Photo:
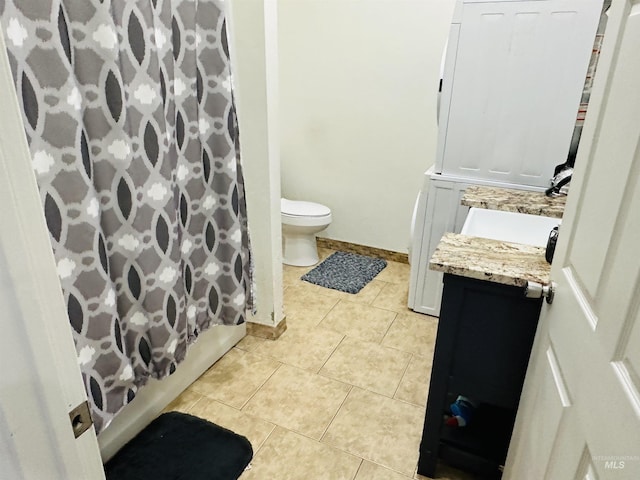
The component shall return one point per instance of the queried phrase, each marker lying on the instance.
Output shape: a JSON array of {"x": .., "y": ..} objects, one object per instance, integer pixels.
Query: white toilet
[{"x": 301, "y": 221}]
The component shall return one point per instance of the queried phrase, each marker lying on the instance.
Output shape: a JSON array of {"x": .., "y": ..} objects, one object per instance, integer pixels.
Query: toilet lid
[{"x": 297, "y": 208}]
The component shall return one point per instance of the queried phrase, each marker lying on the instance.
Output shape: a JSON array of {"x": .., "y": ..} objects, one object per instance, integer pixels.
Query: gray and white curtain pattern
[{"x": 130, "y": 119}]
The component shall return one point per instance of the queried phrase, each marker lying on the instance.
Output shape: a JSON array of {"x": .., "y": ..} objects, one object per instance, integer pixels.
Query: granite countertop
[
  {"x": 491, "y": 260},
  {"x": 520, "y": 201}
]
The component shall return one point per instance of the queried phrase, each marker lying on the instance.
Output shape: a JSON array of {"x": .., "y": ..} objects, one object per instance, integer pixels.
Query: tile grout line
[
  {"x": 205, "y": 399},
  {"x": 351, "y": 453},
  {"x": 404, "y": 372},
  {"x": 351, "y": 387},
  {"x": 262, "y": 384},
  {"x": 188, "y": 410},
  {"x": 369, "y": 389},
  {"x": 340, "y": 333},
  {"x": 359, "y": 467},
  {"x": 395, "y": 317},
  {"x": 386, "y": 284},
  {"x": 304, "y": 435},
  {"x": 330, "y": 310},
  {"x": 264, "y": 442},
  {"x": 330, "y": 355}
]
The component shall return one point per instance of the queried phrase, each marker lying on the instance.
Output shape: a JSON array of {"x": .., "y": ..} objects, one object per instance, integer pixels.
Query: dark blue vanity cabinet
[{"x": 484, "y": 340}]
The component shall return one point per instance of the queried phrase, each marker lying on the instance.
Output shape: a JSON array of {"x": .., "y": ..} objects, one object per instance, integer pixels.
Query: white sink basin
[{"x": 509, "y": 227}]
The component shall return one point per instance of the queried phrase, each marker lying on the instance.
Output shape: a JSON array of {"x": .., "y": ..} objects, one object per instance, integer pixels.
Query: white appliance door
[
  {"x": 579, "y": 416},
  {"x": 438, "y": 211},
  {"x": 519, "y": 73}
]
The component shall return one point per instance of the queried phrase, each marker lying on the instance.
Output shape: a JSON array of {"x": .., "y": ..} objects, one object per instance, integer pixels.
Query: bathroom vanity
[{"x": 485, "y": 334}]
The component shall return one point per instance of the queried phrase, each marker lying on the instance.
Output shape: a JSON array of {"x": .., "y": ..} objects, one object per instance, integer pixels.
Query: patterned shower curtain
[{"x": 128, "y": 111}]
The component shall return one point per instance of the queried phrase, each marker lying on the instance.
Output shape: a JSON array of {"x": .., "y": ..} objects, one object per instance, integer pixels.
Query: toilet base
[{"x": 299, "y": 250}]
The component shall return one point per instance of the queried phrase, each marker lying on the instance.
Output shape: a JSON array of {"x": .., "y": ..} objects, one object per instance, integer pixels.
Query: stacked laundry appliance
[{"x": 512, "y": 84}]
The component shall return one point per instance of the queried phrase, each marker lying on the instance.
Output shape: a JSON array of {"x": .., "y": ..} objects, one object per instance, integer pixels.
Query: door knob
[{"x": 537, "y": 290}]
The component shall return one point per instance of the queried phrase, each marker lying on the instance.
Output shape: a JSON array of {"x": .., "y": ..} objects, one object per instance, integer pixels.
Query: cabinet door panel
[{"x": 494, "y": 333}]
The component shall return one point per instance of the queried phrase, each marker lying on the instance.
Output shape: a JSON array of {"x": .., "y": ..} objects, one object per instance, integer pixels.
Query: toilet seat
[
  {"x": 297, "y": 208},
  {"x": 301, "y": 221},
  {"x": 304, "y": 214}
]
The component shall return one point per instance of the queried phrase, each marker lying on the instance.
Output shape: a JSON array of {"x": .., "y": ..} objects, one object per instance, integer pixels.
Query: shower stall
[{"x": 130, "y": 122}]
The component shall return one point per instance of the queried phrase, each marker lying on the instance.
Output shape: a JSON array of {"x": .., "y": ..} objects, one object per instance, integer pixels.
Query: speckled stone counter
[
  {"x": 520, "y": 201},
  {"x": 491, "y": 260}
]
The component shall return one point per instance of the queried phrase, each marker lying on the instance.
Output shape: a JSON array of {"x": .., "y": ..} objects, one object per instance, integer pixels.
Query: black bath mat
[
  {"x": 347, "y": 272},
  {"x": 177, "y": 446}
]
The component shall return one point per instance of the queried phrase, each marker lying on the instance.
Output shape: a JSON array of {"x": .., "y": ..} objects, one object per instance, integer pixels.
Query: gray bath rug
[{"x": 347, "y": 272}]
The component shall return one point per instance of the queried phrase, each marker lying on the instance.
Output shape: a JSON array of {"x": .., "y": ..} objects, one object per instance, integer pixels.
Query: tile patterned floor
[{"x": 340, "y": 396}]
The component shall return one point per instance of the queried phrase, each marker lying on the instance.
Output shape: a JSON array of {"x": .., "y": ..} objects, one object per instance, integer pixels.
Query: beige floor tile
[
  {"x": 289, "y": 456},
  {"x": 414, "y": 333},
  {"x": 249, "y": 343},
  {"x": 184, "y": 402},
  {"x": 298, "y": 400},
  {"x": 395, "y": 272},
  {"x": 253, "y": 428},
  {"x": 308, "y": 287},
  {"x": 302, "y": 347},
  {"x": 414, "y": 385},
  {"x": 323, "y": 253},
  {"x": 371, "y": 471},
  {"x": 378, "y": 429},
  {"x": 306, "y": 308},
  {"x": 368, "y": 293},
  {"x": 235, "y": 377},
  {"x": 359, "y": 321},
  {"x": 367, "y": 365},
  {"x": 394, "y": 297},
  {"x": 291, "y": 275}
]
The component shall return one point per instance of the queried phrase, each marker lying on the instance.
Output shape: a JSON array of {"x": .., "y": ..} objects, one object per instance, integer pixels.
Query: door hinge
[
  {"x": 537, "y": 290},
  {"x": 80, "y": 418}
]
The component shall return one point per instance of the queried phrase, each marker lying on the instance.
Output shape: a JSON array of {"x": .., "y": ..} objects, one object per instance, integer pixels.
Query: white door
[
  {"x": 40, "y": 379},
  {"x": 579, "y": 416}
]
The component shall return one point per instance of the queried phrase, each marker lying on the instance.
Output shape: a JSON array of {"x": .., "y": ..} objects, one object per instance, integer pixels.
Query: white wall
[
  {"x": 358, "y": 83},
  {"x": 254, "y": 56}
]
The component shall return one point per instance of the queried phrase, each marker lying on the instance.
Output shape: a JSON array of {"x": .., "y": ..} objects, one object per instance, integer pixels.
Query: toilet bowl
[{"x": 301, "y": 221}]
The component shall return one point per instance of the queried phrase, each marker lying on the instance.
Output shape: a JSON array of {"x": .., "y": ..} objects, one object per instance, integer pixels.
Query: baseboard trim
[
  {"x": 363, "y": 250},
  {"x": 267, "y": 331}
]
